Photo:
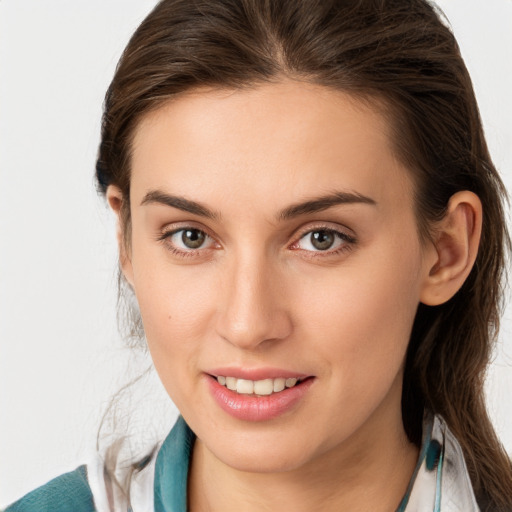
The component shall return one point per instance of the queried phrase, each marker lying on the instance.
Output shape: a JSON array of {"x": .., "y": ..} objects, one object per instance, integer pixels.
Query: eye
[
  {"x": 323, "y": 240},
  {"x": 188, "y": 239}
]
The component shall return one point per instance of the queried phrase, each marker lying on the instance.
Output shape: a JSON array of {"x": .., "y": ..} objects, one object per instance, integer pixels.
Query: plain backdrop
[{"x": 60, "y": 354}]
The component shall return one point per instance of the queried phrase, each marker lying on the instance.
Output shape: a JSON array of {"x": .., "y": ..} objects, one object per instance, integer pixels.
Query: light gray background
[{"x": 60, "y": 356}]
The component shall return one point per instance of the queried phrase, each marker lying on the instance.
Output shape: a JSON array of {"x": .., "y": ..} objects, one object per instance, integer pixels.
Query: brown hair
[{"x": 400, "y": 53}]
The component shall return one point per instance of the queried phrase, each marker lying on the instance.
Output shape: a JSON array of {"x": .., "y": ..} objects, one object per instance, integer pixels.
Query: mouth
[
  {"x": 264, "y": 387},
  {"x": 272, "y": 393}
]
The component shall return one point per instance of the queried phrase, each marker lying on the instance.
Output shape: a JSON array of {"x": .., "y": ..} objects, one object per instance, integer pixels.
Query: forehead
[{"x": 296, "y": 138}]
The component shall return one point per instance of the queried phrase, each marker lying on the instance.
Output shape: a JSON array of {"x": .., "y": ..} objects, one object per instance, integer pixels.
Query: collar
[
  {"x": 171, "y": 469},
  {"x": 440, "y": 481}
]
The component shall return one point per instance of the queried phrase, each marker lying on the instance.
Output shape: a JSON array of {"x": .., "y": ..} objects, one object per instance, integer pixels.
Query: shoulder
[
  {"x": 158, "y": 483},
  {"x": 67, "y": 492}
]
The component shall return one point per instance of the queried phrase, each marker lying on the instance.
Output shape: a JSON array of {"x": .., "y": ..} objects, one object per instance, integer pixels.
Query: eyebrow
[
  {"x": 194, "y": 207},
  {"x": 314, "y": 205},
  {"x": 322, "y": 203}
]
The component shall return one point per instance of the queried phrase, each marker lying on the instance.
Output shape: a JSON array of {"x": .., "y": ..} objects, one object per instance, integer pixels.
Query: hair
[{"x": 396, "y": 53}]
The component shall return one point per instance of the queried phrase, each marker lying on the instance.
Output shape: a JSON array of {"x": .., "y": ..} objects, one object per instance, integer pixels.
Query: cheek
[
  {"x": 175, "y": 305},
  {"x": 360, "y": 319}
]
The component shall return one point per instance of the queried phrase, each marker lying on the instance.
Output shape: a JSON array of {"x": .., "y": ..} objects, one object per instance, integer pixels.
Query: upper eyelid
[
  {"x": 325, "y": 226},
  {"x": 347, "y": 240},
  {"x": 171, "y": 229}
]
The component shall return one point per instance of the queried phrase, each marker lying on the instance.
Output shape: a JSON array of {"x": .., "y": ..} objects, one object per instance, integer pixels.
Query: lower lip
[{"x": 257, "y": 408}]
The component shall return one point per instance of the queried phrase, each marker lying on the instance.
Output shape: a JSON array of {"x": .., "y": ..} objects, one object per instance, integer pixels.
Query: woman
[{"x": 313, "y": 229}]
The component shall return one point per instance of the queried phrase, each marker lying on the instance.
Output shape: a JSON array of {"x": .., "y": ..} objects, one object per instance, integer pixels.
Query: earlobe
[
  {"x": 454, "y": 249},
  {"x": 115, "y": 200}
]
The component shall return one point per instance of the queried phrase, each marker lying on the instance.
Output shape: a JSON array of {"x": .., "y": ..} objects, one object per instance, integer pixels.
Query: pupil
[
  {"x": 322, "y": 240},
  {"x": 192, "y": 238}
]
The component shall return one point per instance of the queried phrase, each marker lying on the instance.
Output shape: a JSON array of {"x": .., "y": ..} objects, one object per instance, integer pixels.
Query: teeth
[
  {"x": 258, "y": 387},
  {"x": 279, "y": 385},
  {"x": 231, "y": 383},
  {"x": 264, "y": 387},
  {"x": 290, "y": 383},
  {"x": 245, "y": 386}
]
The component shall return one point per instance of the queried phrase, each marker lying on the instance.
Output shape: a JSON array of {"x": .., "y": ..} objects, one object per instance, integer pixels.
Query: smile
[
  {"x": 263, "y": 387},
  {"x": 261, "y": 399}
]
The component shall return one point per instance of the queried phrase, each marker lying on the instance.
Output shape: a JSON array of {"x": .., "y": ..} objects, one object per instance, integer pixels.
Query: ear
[
  {"x": 453, "y": 252},
  {"x": 115, "y": 200}
]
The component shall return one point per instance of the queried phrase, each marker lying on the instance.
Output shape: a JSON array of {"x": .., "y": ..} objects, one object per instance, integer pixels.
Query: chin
[{"x": 268, "y": 456}]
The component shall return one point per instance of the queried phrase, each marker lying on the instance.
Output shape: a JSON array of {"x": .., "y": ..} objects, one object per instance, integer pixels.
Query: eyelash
[
  {"x": 347, "y": 245},
  {"x": 348, "y": 242},
  {"x": 165, "y": 238}
]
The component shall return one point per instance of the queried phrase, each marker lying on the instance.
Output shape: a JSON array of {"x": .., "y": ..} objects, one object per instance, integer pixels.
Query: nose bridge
[{"x": 252, "y": 310}]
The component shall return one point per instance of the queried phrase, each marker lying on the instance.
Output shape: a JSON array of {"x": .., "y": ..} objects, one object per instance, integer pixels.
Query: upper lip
[{"x": 256, "y": 373}]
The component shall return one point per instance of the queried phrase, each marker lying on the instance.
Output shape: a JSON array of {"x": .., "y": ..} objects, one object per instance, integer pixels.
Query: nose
[{"x": 252, "y": 310}]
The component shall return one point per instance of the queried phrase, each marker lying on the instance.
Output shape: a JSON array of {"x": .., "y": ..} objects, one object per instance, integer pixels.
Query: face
[{"x": 273, "y": 240}]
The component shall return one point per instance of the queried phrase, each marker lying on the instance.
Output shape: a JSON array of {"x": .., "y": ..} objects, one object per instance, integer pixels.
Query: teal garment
[
  {"x": 71, "y": 492},
  {"x": 66, "y": 493},
  {"x": 171, "y": 470},
  {"x": 440, "y": 482}
]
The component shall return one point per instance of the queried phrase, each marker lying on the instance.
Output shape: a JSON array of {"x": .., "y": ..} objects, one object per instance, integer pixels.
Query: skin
[{"x": 257, "y": 293}]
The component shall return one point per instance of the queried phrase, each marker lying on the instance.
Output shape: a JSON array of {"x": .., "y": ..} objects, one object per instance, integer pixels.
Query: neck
[{"x": 369, "y": 471}]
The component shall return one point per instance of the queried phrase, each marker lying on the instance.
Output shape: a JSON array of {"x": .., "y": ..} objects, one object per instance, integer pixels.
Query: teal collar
[{"x": 171, "y": 469}]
